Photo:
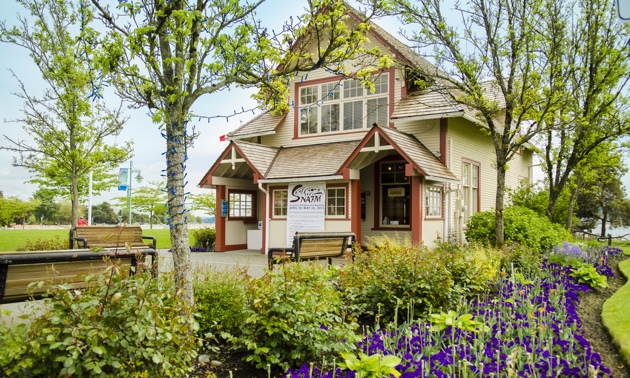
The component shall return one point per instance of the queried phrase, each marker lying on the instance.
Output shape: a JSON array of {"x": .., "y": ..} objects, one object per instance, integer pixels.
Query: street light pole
[{"x": 139, "y": 178}]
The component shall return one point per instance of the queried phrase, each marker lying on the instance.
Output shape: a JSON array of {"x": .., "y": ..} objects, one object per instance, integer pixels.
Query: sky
[{"x": 148, "y": 142}]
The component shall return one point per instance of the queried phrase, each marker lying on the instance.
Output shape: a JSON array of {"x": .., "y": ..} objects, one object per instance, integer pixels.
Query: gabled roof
[
  {"x": 311, "y": 161},
  {"x": 417, "y": 154},
  {"x": 244, "y": 159},
  {"x": 263, "y": 124},
  {"x": 259, "y": 156},
  {"x": 380, "y": 141}
]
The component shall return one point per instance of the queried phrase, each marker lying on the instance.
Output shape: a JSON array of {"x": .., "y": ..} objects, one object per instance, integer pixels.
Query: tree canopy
[{"x": 68, "y": 128}]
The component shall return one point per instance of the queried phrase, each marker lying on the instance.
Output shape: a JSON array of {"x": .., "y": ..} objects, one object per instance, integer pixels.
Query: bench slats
[
  {"x": 312, "y": 246},
  {"x": 109, "y": 236},
  {"x": 18, "y": 270}
]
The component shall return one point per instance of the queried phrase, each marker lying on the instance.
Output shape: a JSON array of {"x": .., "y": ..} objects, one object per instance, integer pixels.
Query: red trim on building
[
  {"x": 219, "y": 245},
  {"x": 377, "y": 195},
  {"x": 234, "y": 247},
  {"x": 355, "y": 224},
  {"x": 264, "y": 218},
  {"x": 416, "y": 210}
]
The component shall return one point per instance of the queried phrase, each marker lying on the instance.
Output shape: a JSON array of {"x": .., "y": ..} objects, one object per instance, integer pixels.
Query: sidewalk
[{"x": 253, "y": 260}]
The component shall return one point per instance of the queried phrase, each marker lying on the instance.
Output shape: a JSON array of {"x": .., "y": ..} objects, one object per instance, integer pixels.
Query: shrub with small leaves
[
  {"x": 391, "y": 275},
  {"x": 204, "y": 238},
  {"x": 54, "y": 244},
  {"x": 522, "y": 226},
  {"x": 294, "y": 316},
  {"x": 220, "y": 298},
  {"x": 135, "y": 326}
]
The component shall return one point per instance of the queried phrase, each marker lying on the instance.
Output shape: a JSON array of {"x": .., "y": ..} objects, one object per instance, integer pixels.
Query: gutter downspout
[{"x": 266, "y": 224}]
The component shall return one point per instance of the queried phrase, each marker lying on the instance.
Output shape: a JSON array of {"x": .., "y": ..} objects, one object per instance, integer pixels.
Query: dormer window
[{"x": 342, "y": 106}]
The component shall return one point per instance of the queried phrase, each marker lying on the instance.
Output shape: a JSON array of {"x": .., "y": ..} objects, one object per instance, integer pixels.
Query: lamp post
[{"x": 139, "y": 178}]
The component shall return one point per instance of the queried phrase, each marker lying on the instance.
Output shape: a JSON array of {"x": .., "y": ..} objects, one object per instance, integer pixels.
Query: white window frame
[
  {"x": 433, "y": 201},
  {"x": 320, "y": 101},
  {"x": 241, "y": 204},
  {"x": 336, "y": 206},
  {"x": 282, "y": 201},
  {"x": 470, "y": 189}
]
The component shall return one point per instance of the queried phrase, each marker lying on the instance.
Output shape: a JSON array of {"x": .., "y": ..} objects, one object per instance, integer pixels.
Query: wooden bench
[
  {"x": 19, "y": 269},
  {"x": 109, "y": 237},
  {"x": 313, "y": 245}
]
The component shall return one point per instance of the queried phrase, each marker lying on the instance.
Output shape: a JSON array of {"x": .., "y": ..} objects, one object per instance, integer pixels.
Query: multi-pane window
[
  {"x": 336, "y": 201},
  {"x": 241, "y": 204},
  {"x": 280, "y": 202},
  {"x": 433, "y": 201},
  {"x": 343, "y": 105},
  {"x": 395, "y": 194},
  {"x": 470, "y": 192}
]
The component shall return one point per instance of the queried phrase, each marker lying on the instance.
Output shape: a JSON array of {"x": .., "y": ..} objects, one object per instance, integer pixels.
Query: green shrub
[
  {"x": 523, "y": 260},
  {"x": 294, "y": 316},
  {"x": 220, "y": 298},
  {"x": 134, "y": 326},
  {"x": 522, "y": 226},
  {"x": 54, "y": 244},
  {"x": 391, "y": 275},
  {"x": 587, "y": 274},
  {"x": 204, "y": 238}
]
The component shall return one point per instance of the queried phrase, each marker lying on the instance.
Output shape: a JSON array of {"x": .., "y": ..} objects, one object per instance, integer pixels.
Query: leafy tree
[
  {"x": 486, "y": 61},
  {"x": 47, "y": 207},
  {"x": 205, "y": 202},
  {"x": 67, "y": 129},
  {"x": 602, "y": 195},
  {"x": 150, "y": 200},
  {"x": 10, "y": 208},
  {"x": 104, "y": 214},
  {"x": 14, "y": 210},
  {"x": 587, "y": 76},
  {"x": 165, "y": 55}
]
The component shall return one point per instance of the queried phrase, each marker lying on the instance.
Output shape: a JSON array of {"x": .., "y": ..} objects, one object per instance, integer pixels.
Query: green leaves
[
  {"x": 371, "y": 366},
  {"x": 103, "y": 331},
  {"x": 440, "y": 322},
  {"x": 587, "y": 274}
]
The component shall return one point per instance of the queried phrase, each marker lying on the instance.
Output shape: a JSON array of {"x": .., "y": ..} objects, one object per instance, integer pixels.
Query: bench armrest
[
  {"x": 81, "y": 241},
  {"x": 271, "y": 260},
  {"x": 150, "y": 238}
]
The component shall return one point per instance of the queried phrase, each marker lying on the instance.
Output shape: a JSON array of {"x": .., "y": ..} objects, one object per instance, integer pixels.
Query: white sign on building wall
[{"x": 306, "y": 208}]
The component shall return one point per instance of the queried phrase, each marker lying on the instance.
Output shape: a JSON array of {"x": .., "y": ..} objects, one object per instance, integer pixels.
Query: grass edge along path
[{"x": 616, "y": 314}]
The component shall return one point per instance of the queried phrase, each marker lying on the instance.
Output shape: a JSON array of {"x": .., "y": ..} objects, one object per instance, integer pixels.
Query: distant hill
[{"x": 209, "y": 220}]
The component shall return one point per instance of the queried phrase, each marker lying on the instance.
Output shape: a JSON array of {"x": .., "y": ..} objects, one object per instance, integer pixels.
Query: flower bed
[{"x": 528, "y": 327}]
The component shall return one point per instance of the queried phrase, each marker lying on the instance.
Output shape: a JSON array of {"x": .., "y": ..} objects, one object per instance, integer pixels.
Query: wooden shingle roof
[
  {"x": 263, "y": 124},
  {"x": 258, "y": 155},
  {"x": 311, "y": 161},
  {"x": 417, "y": 154}
]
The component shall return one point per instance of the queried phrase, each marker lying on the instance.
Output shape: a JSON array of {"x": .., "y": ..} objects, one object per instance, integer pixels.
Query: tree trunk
[
  {"x": 499, "y": 205},
  {"x": 572, "y": 199},
  {"x": 176, "y": 164},
  {"x": 75, "y": 199}
]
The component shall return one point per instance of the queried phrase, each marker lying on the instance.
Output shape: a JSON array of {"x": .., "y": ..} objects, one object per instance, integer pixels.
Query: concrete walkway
[{"x": 253, "y": 260}]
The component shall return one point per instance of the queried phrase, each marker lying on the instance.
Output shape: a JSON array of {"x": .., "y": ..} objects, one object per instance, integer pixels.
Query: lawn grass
[
  {"x": 615, "y": 314},
  {"x": 10, "y": 239}
]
